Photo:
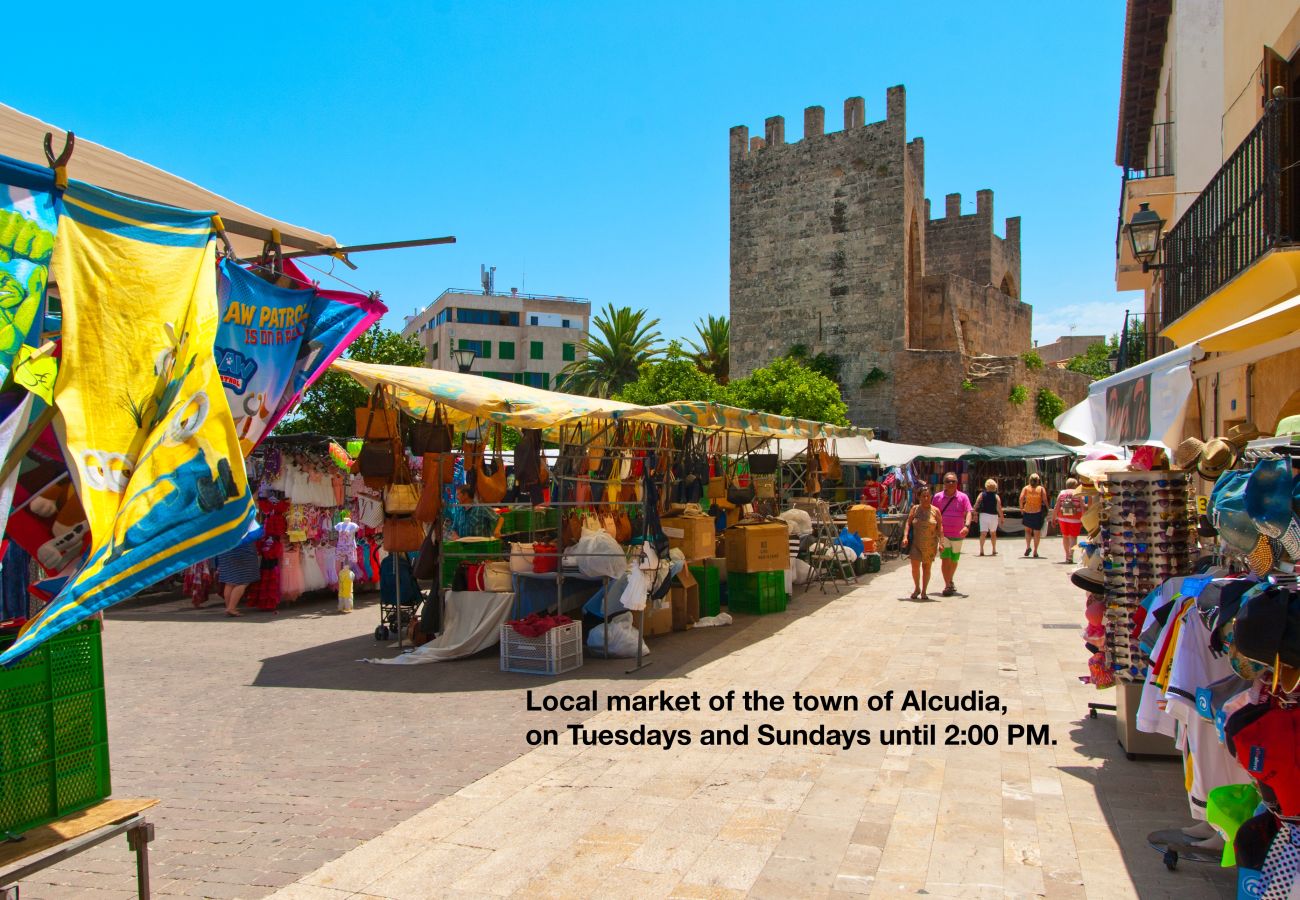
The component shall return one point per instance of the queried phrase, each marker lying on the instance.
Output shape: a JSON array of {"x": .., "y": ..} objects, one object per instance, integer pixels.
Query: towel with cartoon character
[{"x": 150, "y": 442}]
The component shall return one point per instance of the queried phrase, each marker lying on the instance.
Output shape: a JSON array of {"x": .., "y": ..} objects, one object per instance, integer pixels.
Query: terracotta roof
[{"x": 1146, "y": 26}]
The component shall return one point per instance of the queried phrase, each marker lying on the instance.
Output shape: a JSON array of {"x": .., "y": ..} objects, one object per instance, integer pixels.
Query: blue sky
[{"x": 581, "y": 148}]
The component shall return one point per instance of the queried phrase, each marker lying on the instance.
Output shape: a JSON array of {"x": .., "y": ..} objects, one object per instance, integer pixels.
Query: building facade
[
  {"x": 1209, "y": 137},
  {"x": 833, "y": 247},
  {"x": 1067, "y": 347},
  {"x": 522, "y": 338}
]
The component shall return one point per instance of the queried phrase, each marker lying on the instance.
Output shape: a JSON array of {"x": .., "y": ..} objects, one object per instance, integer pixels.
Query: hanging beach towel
[
  {"x": 27, "y": 227},
  {"x": 150, "y": 443}
]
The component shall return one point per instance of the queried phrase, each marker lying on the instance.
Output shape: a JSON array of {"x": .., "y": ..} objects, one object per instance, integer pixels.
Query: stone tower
[
  {"x": 833, "y": 247},
  {"x": 827, "y": 238}
]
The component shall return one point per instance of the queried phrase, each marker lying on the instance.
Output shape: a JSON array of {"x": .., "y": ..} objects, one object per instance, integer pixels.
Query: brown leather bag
[
  {"x": 432, "y": 435},
  {"x": 623, "y": 525},
  {"x": 402, "y": 533},
  {"x": 490, "y": 487},
  {"x": 430, "y": 506},
  {"x": 377, "y": 420},
  {"x": 831, "y": 470},
  {"x": 439, "y": 467}
]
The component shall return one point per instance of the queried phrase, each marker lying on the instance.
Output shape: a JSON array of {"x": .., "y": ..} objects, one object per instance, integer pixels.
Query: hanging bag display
[
  {"x": 490, "y": 486},
  {"x": 432, "y": 435},
  {"x": 375, "y": 461},
  {"x": 738, "y": 495},
  {"x": 426, "y": 562},
  {"x": 439, "y": 468},
  {"x": 376, "y": 420},
  {"x": 400, "y": 497}
]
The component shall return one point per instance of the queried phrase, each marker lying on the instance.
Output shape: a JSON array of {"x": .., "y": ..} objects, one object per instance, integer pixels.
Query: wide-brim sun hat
[
  {"x": 1220, "y": 454},
  {"x": 1188, "y": 452},
  {"x": 1094, "y": 469}
]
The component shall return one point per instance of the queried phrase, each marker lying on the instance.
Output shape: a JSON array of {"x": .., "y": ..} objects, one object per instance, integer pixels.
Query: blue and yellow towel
[
  {"x": 141, "y": 413},
  {"x": 27, "y": 222}
]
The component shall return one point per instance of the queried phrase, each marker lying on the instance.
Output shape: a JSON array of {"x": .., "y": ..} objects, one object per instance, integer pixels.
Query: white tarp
[
  {"x": 885, "y": 453},
  {"x": 1142, "y": 405}
]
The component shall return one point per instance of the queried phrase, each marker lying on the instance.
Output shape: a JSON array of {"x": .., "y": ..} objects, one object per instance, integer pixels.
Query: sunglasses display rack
[{"x": 1147, "y": 536}]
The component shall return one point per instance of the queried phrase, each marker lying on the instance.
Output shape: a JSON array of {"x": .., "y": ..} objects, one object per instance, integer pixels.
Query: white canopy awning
[
  {"x": 23, "y": 136},
  {"x": 884, "y": 453}
]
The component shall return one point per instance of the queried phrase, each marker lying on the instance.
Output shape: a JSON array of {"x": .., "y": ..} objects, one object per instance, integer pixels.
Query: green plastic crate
[
  {"x": 456, "y": 552},
  {"x": 530, "y": 520},
  {"x": 756, "y": 593},
  {"x": 710, "y": 581},
  {"x": 873, "y": 561},
  {"x": 53, "y": 730}
]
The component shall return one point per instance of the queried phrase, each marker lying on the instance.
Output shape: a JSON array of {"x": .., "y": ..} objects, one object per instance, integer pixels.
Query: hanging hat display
[
  {"x": 1188, "y": 452},
  {"x": 1221, "y": 453}
]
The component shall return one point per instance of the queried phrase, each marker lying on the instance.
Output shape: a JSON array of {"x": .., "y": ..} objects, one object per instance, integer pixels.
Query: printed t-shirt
[
  {"x": 873, "y": 494},
  {"x": 955, "y": 510}
]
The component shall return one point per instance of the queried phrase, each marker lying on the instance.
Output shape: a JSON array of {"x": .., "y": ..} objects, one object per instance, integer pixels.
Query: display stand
[{"x": 74, "y": 834}]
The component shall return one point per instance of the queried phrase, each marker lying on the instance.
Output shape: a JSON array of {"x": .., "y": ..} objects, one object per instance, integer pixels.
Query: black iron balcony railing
[
  {"x": 1152, "y": 160},
  {"x": 1139, "y": 341},
  {"x": 1242, "y": 214}
]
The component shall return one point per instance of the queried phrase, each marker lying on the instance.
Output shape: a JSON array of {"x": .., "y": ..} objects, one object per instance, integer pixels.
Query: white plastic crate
[{"x": 556, "y": 651}]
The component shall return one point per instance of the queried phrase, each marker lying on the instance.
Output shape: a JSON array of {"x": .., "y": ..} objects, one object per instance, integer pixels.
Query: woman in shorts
[
  {"x": 989, "y": 506},
  {"x": 1068, "y": 513},
  {"x": 1033, "y": 505}
]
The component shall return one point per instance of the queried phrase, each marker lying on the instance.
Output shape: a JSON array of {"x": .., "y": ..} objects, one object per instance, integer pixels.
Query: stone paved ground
[{"x": 276, "y": 756}]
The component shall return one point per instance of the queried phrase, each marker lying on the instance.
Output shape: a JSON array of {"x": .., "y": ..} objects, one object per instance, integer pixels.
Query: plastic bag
[
  {"x": 798, "y": 521},
  {"x": 599, "y": 555},
  {"x": 849, "y": 539},
  {"x": 713, "y": 621},
  {"x": 622, "y": 638}
]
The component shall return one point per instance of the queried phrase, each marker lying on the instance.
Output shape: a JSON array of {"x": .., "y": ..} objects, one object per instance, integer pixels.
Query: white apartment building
[{"x": 522, "y": 338}]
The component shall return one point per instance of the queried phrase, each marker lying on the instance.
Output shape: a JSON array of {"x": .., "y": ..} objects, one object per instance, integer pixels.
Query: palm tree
[
  {"x": 621, "y": 340},
  {"x": 713, "y": 352}
]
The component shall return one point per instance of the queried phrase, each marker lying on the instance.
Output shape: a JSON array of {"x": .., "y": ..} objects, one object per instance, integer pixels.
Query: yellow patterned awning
[
  {"x": 718, "y": 417},
  {"x": 472, "y": 397}
]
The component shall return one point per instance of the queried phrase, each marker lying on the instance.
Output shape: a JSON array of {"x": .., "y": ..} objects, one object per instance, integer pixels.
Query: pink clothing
[{"x": 955, "y": 511}]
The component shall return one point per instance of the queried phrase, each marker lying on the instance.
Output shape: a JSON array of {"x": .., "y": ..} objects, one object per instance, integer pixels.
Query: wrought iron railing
[
  {"x": 1241, "y": 215},
  {"x": 1153, "y": 159},
  {"x": 1139, "y": 341}
]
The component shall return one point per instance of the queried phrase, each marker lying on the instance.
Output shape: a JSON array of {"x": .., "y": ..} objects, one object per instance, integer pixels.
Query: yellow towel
[{"x": 142, "y": 415}]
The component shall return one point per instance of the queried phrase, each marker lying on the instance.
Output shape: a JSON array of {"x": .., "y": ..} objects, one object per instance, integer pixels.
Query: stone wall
[
  {"x": 966, "y": 245},
  {"x": 977, "y": 319},
  {"x": 818, "y": 245},
  {"x": 938, "y": 408}
]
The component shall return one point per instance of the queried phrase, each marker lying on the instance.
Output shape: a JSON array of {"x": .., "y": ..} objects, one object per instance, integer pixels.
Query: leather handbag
[
  {"x": 376, "y": 420},
  {"x": 831, "y": 470},
  {"x": 426, "y": 563},
  {"x": 432, "y": 435},
  {"x": 762, "y": 463},
  {"x": 402, "y": 533},
  {"x": 497, "y": 577},
  {"x": 429, "y": 508},
  {"x": 764, "y": 486},
  {"x": 490, "y": 487},
  {"x": 401, "y": 499},
  {"x": 521, "y": 558},
  {"x": 737, "y": 494},
  {"x": 529, "y": 464},
  {"x": 439, "y": 468},
  {"x": 609, "y": 524},
  {"x": 375, "y": 461},
  {"x": 623, "y": 526}
]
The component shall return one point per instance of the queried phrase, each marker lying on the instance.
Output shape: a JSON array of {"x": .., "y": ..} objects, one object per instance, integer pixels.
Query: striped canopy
[{"x": 717, "y": 417}]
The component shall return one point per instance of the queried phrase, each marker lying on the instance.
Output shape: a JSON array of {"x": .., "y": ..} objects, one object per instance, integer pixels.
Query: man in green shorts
[{"x": 955, "y": 507}]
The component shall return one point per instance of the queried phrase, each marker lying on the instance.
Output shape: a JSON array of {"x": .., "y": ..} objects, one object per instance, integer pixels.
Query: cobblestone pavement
[
  {"x": 274, "y": 751},
  {"x": 280, "y": 761},
  {"x": 1066, "y": 820}
]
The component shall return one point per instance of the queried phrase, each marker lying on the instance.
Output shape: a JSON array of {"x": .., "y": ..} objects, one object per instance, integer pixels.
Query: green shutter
[
  {"x": 485, "y": 349},
  {"x": 506, "y": 349},
  {"x": 569, "y": 354},
  {"x": 535, "y": 351},
  {"x": 464, "y": 344},
  {"x": 546, "y": 381}
]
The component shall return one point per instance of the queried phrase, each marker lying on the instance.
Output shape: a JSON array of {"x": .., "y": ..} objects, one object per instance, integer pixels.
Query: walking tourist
[
  {"x": 924, "y": 525},
  {"x": 236, "y": 570},
  {"x": 1068, "y": 513},
  {"x": 989, "y": 507},
  {"x": 1033, "y": 506},
  {"x": 957, "y": 512}
]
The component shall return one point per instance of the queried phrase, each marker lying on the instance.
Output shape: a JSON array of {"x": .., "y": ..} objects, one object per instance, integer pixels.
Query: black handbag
[
  {"x": 737, "y": 495},
  {"x": 762, "y": 463},
  {"x": 426, "y": 562},
  {"x": 432, "y": 435}
]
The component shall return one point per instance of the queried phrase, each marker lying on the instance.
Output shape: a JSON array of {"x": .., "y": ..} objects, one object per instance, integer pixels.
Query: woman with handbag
[
  {"x": 923, "y": 532},
  {"x": 469, "y": 520}
]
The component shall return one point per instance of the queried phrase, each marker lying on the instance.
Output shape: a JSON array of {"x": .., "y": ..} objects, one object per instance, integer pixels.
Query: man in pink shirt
[{"x": 955, "y": 507}]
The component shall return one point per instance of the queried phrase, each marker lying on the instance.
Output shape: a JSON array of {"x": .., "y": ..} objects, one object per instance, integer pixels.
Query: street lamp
[
  {"x": 464, "y": 358},
  {"x": 1112, "y": 362},
  {"x": 1144, "y": 231}
]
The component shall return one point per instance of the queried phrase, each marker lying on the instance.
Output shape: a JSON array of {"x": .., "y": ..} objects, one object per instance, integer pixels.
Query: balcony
[
  {"x": 1247, "y": 210},
  {"x": 1148, "y": 177}
]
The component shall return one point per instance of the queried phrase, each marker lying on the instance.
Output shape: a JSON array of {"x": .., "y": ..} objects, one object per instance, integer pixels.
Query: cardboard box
[
  {"x": 695, "y": 536},
  {"x": 659, "y": 619},
  {"x": 685, "y": 596},
  {"x": 758, "y": 548}
]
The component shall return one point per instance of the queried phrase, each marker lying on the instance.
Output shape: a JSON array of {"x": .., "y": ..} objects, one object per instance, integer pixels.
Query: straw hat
[
  {"x": 1188, "y": 452},
  {"x": 1221, "y": 453}
]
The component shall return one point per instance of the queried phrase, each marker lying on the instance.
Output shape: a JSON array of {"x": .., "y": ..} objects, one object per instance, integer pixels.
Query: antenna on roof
[{"x": 487, "y": 277}]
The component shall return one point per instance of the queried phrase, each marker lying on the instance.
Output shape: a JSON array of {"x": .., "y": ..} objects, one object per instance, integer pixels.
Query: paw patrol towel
[{"x": 150, "y": 442}]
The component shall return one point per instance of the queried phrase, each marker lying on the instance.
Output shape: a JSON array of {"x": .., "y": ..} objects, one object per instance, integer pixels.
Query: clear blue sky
[{"x": 582, "y": 147}]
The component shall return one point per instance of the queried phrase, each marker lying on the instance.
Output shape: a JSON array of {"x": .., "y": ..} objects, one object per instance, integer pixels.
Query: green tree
[
  {"x": 329, "y": 405},
  {"x": 622, "y": 340},
  {"x": 675, "y": 377},
  {"x": 1094, "y": 362},
  {"x": 713, "y": 351},
  {"x": 789, "y": 388}
]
